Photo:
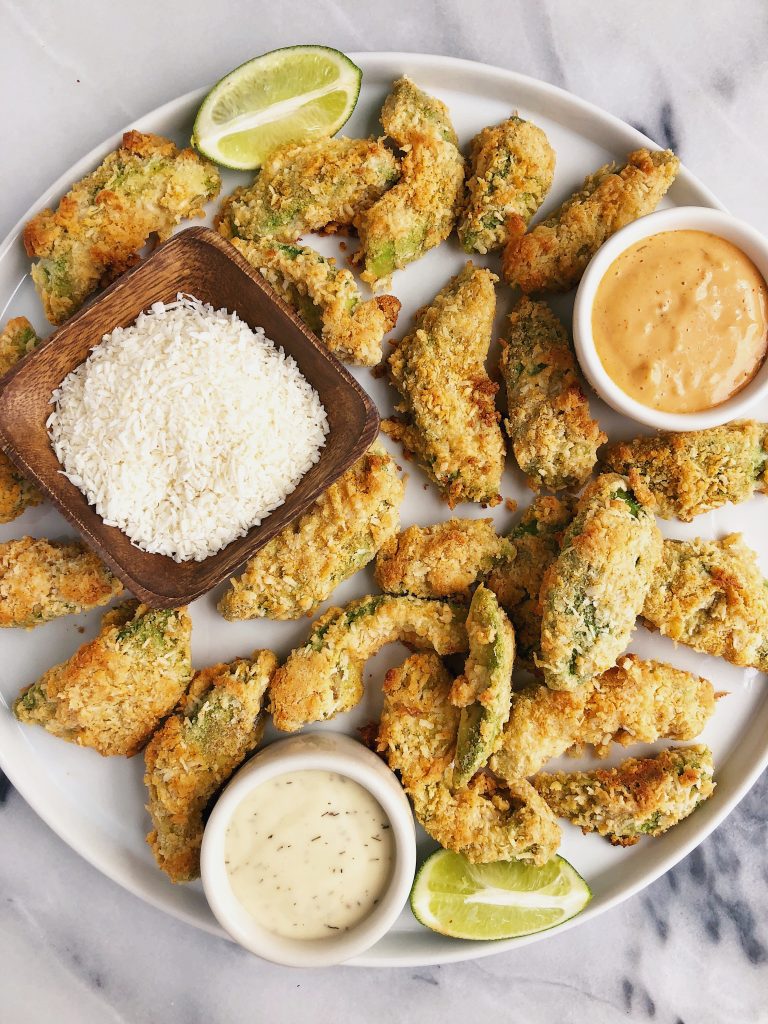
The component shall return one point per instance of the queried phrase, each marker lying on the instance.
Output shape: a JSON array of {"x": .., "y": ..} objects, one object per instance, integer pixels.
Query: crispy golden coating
[
  {"x": 511, "y": 169},
  {"x": 113, "y": 692},
  {"x": 697, "y": 471},
  {"x": 487, "y": 820},
  {"x": 326, "y": 297},
  {"x": 408, "y": 110},
  {"x": 143, "y": 188},
  {"x": 554, "y": 438},
  {"x": 300, "y": 567},
  {"x": 645, "y": 796},
  {"x": 636, "y": 701},
  {"x": 594, "y": 591},
  {"x": 324, "y": 677},
  {"x": 552, "y": 257},
  {"x": 444, "y": 560},
  {"x": 17, "y": 338},
  {"x": 451, "y": 424},
  {"x": 420, "y": 211},
  {"x": 484, "y": 690},
  {"x": 44, "y": 579},
  {"x": 711, "y": 596},
  {"x": 195, "y": 752},
  {"x": 307, "y": 187},
  {"x": 417, "y": 214},
  {"x": 517, "y": 583}
]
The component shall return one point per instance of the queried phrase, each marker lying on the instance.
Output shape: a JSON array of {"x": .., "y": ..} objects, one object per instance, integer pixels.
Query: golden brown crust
[
  {"x": 144, "y": 187},
  {"x": 42, "y": 580},
  {"x": 299, "y": 568},
  {"x": 17, "y": 339},
  {"x": 697, "y": 471},
  {"x": 711, "y": 596},
  {"x": 645, "y": 796},
  {"x": 451, "y": 424},
  {"x": 113, "y": 692},
  {"x": 553, "y": 256},
  {"x": 511, "y": 169},
  {"x": 195, "y": 752},
  {"x": 554, "y": 438}
]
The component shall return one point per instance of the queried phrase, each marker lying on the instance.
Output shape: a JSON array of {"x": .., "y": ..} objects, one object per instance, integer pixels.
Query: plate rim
[{"x": 54, "y": 815}]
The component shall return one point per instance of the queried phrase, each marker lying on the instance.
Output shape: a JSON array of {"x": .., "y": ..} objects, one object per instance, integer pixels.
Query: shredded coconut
[{"x": 187, "y": 428}]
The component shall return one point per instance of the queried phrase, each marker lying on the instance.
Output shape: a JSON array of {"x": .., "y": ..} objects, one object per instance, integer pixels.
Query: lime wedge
[
  {"x": 295, "y": 94},
  {"x": 495, "y": 901}
]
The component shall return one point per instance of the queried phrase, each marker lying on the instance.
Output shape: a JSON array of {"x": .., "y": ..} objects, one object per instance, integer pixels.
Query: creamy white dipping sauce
[{"x": 309, "y": 854}]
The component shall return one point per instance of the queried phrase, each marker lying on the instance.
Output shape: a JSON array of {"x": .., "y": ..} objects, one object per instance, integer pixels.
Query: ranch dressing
[
  {"x": 309, "y": 854},
  {"x": 680, "y": 321}
]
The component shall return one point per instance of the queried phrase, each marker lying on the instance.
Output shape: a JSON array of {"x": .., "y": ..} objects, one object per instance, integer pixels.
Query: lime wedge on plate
[
  {"x": 495, "y": 901},
  {"x": 295, "y": 94}
]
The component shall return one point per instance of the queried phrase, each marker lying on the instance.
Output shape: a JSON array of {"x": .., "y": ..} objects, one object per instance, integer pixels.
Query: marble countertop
[{"x": 692, "y": 948}]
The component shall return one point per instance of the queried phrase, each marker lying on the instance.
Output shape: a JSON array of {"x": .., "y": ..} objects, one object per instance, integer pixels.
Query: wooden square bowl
[{"x": 201, "y": 263}]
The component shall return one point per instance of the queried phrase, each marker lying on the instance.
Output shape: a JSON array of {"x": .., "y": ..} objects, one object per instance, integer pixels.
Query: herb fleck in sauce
[{"x": 309, "y": 854}]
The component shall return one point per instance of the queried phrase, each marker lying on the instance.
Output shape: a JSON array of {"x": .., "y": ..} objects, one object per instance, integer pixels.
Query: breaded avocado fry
[
  {"x": 711, "y": 596},
  {"x": 697, "y": 471},
  {"x": 114, "y": 691},
  {"x": 511, "y": 166},
  {"x": 421, "y": 210},
  {"x": 41, "y": 580},
  {"x": 302, "y": 566},
  {"x": 484, "y": 690},
  {"x": 143, "y": 188},
  {"x": 645, "y": 796},
  {"x": 324, "y": 677},
  {"x": 17, "y": 338},
  {"x": 195, "y": 752},
  {"x": 553, "y": 255},
  {"x": 326, "y": 297},
  {"x": 451, "y": 424},
  {"x": 636, "y": 701},
  {"x": 444, "y": 560},
  {"x": 594, "y": 591},
  {"x": 554, "y": 438},
  {"x": 517, "y": 582},
  {"x": 488, "y": 820},
  {"x": 308, "y": 187}
]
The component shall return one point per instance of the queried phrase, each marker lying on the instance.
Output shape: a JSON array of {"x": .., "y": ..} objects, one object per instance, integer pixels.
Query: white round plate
[{"x": 97, "y": 805}]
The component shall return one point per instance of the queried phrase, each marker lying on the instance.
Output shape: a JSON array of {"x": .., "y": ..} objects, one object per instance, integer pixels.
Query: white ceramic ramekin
[
  {"x": 691, "y": 218},
  {"x": 327, "y": 751}
]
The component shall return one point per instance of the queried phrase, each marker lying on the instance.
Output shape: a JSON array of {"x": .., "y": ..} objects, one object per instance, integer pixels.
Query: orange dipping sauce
[{"x": 680, "y": 321}]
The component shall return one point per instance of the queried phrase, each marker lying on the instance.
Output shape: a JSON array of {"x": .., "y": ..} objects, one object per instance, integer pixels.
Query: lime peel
[{"x": 495, "y": 901}]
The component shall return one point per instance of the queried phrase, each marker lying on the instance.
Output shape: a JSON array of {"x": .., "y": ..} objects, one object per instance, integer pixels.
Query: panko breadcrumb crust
[
  {"x": 593, "y": 592},
  {"x": 304, "y": 187},
  {"x": 554, "y": 254},
  {"x": 115, "y": 690},
  {"x": 689, "y": 473},
  {"x": 143, "y": 188},
  {"x": 554, "y": 438},
  {"x": 340, "y": 534},
  {"x": 711, "y": 596},
  {"x": 636, "y": 701},
  {"x": 486, "y": 821},
  {"x": 43, "y": 579},
  {"x": 324, "y": 677},
  {"x": 17, "y": 494},
  {"x": 450, "y": 423},
  {"x": 194, "y": 753},
  {"x": 511, "y": 166},
  {"x": 643, "y": 796},
  {"x": 326, "y": 297}
]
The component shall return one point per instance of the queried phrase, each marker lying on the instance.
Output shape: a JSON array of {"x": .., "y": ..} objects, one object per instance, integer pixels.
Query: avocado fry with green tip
[
  {"x": 17, "y": 494},
  {"x": 484, "y": 691},
  {"x": 593, "y": 592}
]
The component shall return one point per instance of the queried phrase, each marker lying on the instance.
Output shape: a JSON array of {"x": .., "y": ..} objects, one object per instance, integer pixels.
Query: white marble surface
[{"x": 694, "y": 947}]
